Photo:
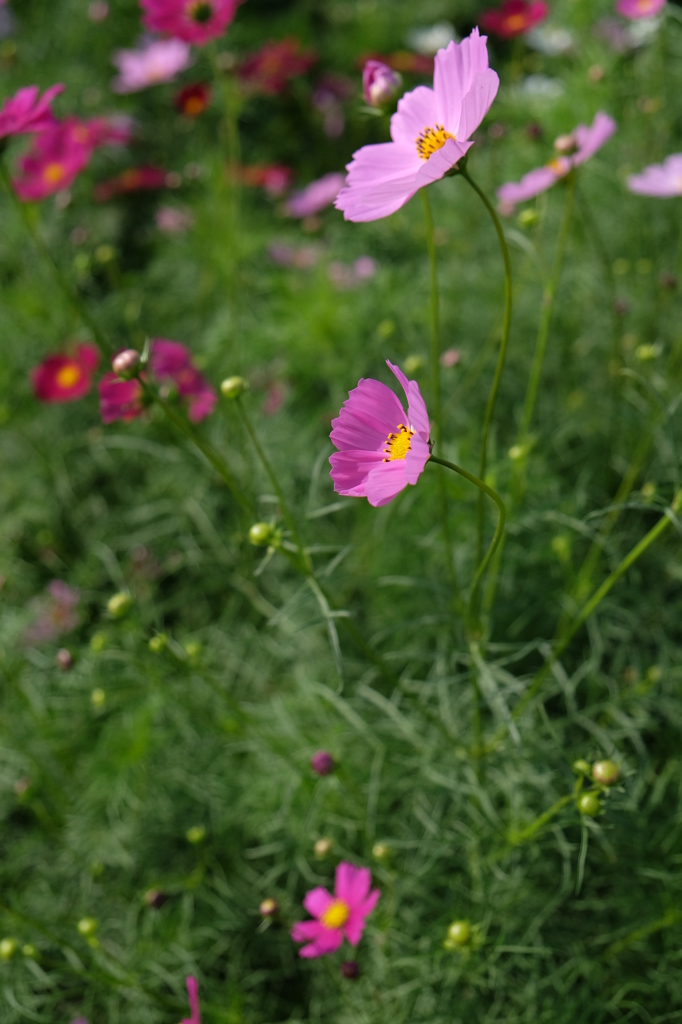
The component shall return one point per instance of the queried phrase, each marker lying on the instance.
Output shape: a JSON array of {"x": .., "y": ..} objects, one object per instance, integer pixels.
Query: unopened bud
[
  {"x": 322, "y": 848},
  {"x": 119, "y": 604},
  {"x": 192, "y": 649},
  {"x": 157, "y": 643},
  {"x": 8, "y": 948},
  {"x": 64, "y": 659},
  {"x": 565, "y": 145},
  {"x": 459, "y": 933},
  {"x": 268, "y": 908},
  {"x": 195, "y": 834},
  {"x": 527, "y": 218},
  {"x": 29, "y": 951},
  {"x": 97, "y": 642},
  {"x": 350, "y": 970},
  {"x": 155, "y": 898},
  {"x": 260, "y": 534},
  {"x": 380, "y": 851},
  {"x": 87, "y": 926},
  {"x": 126, "y": 363},
  {"x": 322, "y": 763},
  {"x": 233, "y": 387},
  {"x": 413, "y": 364},
  {"x": 589, "y": 804},
  {"x": 581, "y": 767},
  {"x": 380, "y": 84},
  {"x": 98, "y": 697},
  {"x": 605, "y": 772}
]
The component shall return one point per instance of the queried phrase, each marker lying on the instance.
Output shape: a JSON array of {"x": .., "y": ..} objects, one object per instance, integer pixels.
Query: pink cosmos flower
[
  {"x": 158, "y": 61},
  {"x": 64, "y": 378},
  {"x": 26, "y": 112},
  {"x": 269, "y": 69},
  {"x": 120, "y": 399},
  {"x": 662, "y": 180},
  {"x": 634, "y": 9},
  {"x": 193, "y": 996},
  {"x": 56, "y": 613},
  {"x": 430, "y": 130},
  {"x": 586, "y": 140},
  {"x": 55, "y": 159},
  {"x": 194, "y": 21},
  {"x": 381, "y": 449},
  {"x": 338, "y": 916},
  {"x": 314, "y": 197},
  {"x": 514, "y": 17}
]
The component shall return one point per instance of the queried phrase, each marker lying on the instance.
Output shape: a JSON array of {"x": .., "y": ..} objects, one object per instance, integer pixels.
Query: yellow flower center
[
  {"x": 68, "y": 376},
  {"x": 431, "y": 140},
  {"x": 558, "y": 167},
  {"x": 398, "y": 445},
  {"x": 515, "y": 23},
  {"x": 336, "y": 914},
  {"x": 194, "y": 105},
  {"x": 53, "y": 173}
]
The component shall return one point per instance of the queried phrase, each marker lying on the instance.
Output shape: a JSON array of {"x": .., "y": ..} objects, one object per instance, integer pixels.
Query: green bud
[
  {"x": 97, "y": 642},
  {"x": 413, "y": 364},
  {"x": 581, "y": 767},
  {"x": 192, "y": 649},
  {"x": 459, "y": 933},
  {"x": 157, "y": 643},
  {"x": 8, "y": 948},
  {"x": 98, "y": 697},
  {"x": 87, "y": 926},
  {"x": 527, "y": 218},
  {"x": 29, "y": 950},
  {"x": 195, "y": 834},
  {"x": 589, "y": 804},
  {"x": 233, "y": 387},
  {"x": 605, "y": 772},
  {"x": 119, "y": 604},
  {"x": 260, "y": 534},
  {"x": 380, "y": 851}
]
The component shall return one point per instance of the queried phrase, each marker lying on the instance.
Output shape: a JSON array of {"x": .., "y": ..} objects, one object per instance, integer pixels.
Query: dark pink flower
[
  {"x": 193, "y": 99},
  {"x": 120, "y": 399},
  {"x": 65, "y": 377},
  {"x": 195, "y": 21},
  {"x": 169, "y": 363},
  {"x": 661, "y": 180},
  {"x": 430, "y": 130},
  {"x": 26, "y": 112},
  {"x": 381, "y": 448},
  {"x": 270, "y": 68},
  {"x": 339, "y": 916},
  {"x": 514, "y": 17},
  {"x": 193, "y": 996},
  {"x": 56, "y": 613},
  {"x": 635, "y": 9},
  {"x": 315, "y": 196},
  {"x": 586, "y": 140},
  {"x": 380, "y": 84},
  {"x": 54, "y": 160}
]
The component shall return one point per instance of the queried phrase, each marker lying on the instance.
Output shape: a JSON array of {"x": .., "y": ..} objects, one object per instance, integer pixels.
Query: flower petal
[
  {"x": 371, "y": 411},
  {"x": 355, "y": 925},
  {"x": 590, "y": 139},
  {"x": 416, "y": 459},
  {"x": 375, "y": 200},
  {"x": 320, "y": 940},
  {"x": 532, "y": 184},
  {"x": 442, "y": 161},
  {"x": 317, "y": 900},
  {"x": 416, "y": 111},
  {"x": 454, "y": 71},
  {"x": 350, "y": 470},
  {"x": 351, "y": 884},
  {"x": 477, "y": 103}
]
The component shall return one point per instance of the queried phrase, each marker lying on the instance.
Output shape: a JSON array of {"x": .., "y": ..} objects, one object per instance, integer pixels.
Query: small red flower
[
  {"x": 270, "y": 68},
  {"x": 64, "y": 378},
  {"x": 514, "y": 17},
  {"x": 193, "y": 100}
]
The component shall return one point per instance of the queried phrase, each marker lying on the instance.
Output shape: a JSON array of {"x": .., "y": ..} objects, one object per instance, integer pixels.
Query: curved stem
[{"x": 492, "y": 397}]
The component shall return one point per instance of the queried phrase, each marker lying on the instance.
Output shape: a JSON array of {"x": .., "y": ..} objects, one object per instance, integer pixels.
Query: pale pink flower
[
  {"x": 193, "y": 996},
  {"x": 635, "y": 9},
  {"x": 98, "y": 10},
  {"x": 54, "y": 160},
  {"x": 586, "y": 140},
  {"x": 382, "y": 449},
  {"x": 26, "y": 112},
  {"x": 195, "y": 21},
  {"x": 314, "y": 197},
  {"x": 159, "y": 61},
  {"x": 430, "y": 130},
  {"x": 172, "y": 220},
  {"x": 661, "y": 180},
  {"x": 337, "y": 916}
]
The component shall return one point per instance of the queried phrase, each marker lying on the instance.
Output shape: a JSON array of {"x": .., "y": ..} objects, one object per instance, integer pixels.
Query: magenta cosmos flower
[
  {"x": 585, "y": 141},
  {"x": 55, "y": 159},
  {"x": 635, "y": 9},
  {"x": 193, "y": 996},
  {"x": 514, "y": 17},
  {"x": 195, "y": 21},
  {"x": 381, "y": 449},
  {"x": 64, "y": 378},
  {"x": 430, "y": 132},
  {"x": 269, "y": 69},
  {"x": 27, "y": 112},
  {"x": 662, "y": 180},
  {"x": 159, "y": 61},
  {"x": 339, "y": 916}
]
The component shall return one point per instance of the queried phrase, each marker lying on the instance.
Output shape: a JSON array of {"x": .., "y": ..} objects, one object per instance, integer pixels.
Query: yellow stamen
[
  {"x": 431, "y": 140},
  {"x": 336, "y": 914},
  {"x": 398, "y": 445},
  {"x": 68, "y": 376},
  {"x": 53, "y": 173}
]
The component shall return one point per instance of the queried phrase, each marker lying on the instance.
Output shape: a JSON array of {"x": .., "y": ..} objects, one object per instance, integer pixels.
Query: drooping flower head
[
  {"x": 194, "y": 21},
  {"x": 65, "y": 377},
  {"x": 269, "y": 69},
  {"x": 380, "y": 84},
  {"x": 158, "y": 61},
  {"x": 584, "y": 141},
  {"x": 661, "y": 180},
  {"x": 193, "y": 99},
  {"x": 55, "y": 159},
  {"x": 193, "y": 996},
  {"x": 635, "y": 9},
  {"x": 382, "y": 449},
  {"x": 315, "y": 196},
  {"x": 430, "y": 130},
  {"x": 27, "y": 112},
  {"x": 514, "y": 17},
  {"x": 337, "y": 916}
]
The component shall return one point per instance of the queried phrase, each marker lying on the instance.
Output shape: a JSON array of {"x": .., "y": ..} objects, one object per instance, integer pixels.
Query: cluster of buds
[{"x": 603, "y": 774}]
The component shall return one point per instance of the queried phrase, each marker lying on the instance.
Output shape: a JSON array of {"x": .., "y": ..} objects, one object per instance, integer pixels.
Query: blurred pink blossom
[
  {"x": 98, "y": 10},
  {"x": 193, "y": 996},
  {"x": 350, "y": 275},
  {"x": 269, "y": 69},
  {"x": 54, "y": 160},
  {"x": 514, "y": 17},
  {"x": 194, "y": 21},
  {"x": 25, "y": 112},
  {"x": 158, "y": 61},
  {"x": 65, "y": 377},
  {"x": 56, "y": 613},
  {"x": 316, "y": 196},
  {"x": 173, "y": 221},
  {"x": 661, "y": 180},
  {"x": 134, "y": 179},
  {"x": 635, "y": 9}
]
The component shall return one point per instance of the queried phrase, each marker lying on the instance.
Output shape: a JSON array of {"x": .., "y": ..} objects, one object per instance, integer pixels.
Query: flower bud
[
  {"x": 87, "y": 926},
  {"x": 565, "y": 145},
  {"x": 8, "y": 948},
  {"x": 22, "y": 788},
  {"x": 233, "y": 387},
  {"x": 605, "y": 772},
  {"x": 589, "y": 804},
  {"x": 413, "y": 364},
  {"x": 97, "y": 642},
  {"x": 380, "y": 851},
  {"x": 195, "y": 834},
  {"x": 29, "y": 951},
  {"x": 192, "y": 649},
  {"x": 157, "y": 643},
  {"x": 98, "y": 697},
  {"x": 322, "y": 848},
  {"x": 380, "y": 84},
  {"x": 119, "y": 604},
  {"x": 268, "y": 908},
  {"x": 260, "y": 534},
  {"x": 350, "y": 970},
  {"x": 155, "y": 898},
  {"x": 125, "y": 364},
  {"x": 64, "y": 659},
  {"x": 322, "y": 763},
  {"x": 581, "y": 767},
  {"x": 459, "y": 934}
]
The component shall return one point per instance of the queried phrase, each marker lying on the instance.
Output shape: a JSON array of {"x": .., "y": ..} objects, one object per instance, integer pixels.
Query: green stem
[
  {"x": 492, "y": 397},
  {"x": 434, "y": 329}
]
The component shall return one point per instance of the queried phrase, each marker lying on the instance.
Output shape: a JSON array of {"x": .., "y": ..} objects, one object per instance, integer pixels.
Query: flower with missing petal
[
  {"x": 195, "y": 21},
  {"x": 382, "y": 449},
  {"x": 584, "y": 142},
  {"x": 338, "y": 916},
  {"x": 430, "y": 130},
  {"x": 26, "y": 112},
  {"x": 661, "y": 180}
]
